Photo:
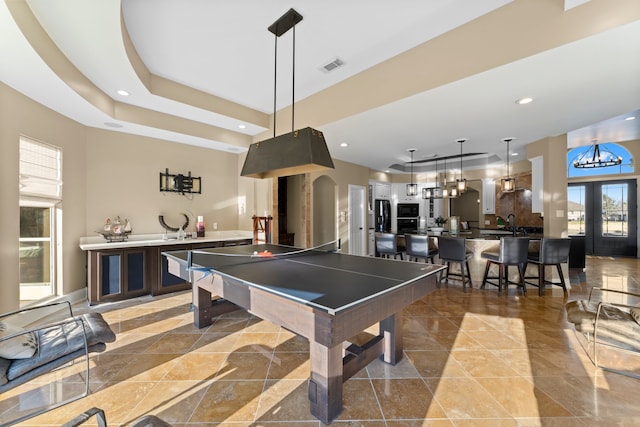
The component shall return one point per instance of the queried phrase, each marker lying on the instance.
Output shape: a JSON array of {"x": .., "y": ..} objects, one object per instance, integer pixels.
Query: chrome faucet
[{"x": 514, "y": 228}]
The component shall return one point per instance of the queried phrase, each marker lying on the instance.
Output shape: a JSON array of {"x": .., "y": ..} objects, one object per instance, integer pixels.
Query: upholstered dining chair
[
  {"x": 418, "y": 247},
  {"x": 513, "y": 251},
  {"x": 387, "y": 245},
  {"x": 553, "y": 251},
  {"x": 454, "y": 250}
]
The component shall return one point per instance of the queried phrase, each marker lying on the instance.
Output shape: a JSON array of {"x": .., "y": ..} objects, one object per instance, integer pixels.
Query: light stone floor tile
[{"x": 471, "y": 359}]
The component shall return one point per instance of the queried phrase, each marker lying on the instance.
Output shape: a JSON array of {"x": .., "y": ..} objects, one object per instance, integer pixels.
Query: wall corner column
[{"x": 553, "y": 152}]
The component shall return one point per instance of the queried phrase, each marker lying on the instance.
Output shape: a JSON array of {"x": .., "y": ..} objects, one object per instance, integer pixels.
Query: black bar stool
[
  {"x": 454, "y": 250},
  {"x": 512, "y": 251},
  {"x": 553, "y": 251},
  {"x": 418, "y": 247},
  {"x": 387, "y": 245}
]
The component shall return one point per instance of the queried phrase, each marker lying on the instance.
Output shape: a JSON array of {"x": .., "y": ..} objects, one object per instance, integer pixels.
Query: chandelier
[{"x": 596, "y": 157}]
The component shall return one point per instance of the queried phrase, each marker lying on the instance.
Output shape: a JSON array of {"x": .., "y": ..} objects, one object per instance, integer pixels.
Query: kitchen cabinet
[
  {"x": 163, "y": 282},
  {"x": 488, "y": 196},
  {"x": 400, "y": 194},
  {"x": 122, "y": 270},
  {"x": 117, "y": 274},
  {"x": 382, "y": 190},
  {"x": 431, "y": 208}
]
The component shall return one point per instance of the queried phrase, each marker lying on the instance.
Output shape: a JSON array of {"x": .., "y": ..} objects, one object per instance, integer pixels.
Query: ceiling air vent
[{"x": 333, "y": 65}]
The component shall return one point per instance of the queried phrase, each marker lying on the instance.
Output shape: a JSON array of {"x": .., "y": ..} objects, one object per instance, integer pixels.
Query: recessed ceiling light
[
  {"x": 122, "y": 92},
  {"x": 113, "y": 125},
  {"x": 631, "y": 118},
  {"x": 242, "y": 126},
  {"x": 525, "y": 100},
  {"x": 344, "y": 144},
  {"x": 514, "y": 154}
]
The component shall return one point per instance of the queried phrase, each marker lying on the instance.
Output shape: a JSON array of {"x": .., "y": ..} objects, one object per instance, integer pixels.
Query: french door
[{"x": 605, "y": 212}]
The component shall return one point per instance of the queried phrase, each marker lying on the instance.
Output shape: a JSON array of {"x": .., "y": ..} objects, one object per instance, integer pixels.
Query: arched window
[{"x": 593, "y": 153}]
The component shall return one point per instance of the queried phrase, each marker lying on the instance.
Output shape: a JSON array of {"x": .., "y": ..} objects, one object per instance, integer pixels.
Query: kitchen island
[
  {"x": 135, "y": 267},
  {"x": 480, "y": 240}
]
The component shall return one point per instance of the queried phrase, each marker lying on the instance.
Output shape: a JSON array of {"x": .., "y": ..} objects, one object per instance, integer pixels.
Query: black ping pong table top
[{"x": 326, "y": 280}]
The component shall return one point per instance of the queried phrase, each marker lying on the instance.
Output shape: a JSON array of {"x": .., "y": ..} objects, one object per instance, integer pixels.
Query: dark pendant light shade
[
  {"x": 293, "y": 153},
  {"x": 298, "y": 152}
]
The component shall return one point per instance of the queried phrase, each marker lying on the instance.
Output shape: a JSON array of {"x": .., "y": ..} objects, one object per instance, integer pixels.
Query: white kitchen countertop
[{"x": 98, "y": 242}]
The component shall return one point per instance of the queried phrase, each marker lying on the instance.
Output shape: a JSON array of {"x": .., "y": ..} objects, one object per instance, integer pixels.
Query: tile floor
[{"x": 471, "y": 359}]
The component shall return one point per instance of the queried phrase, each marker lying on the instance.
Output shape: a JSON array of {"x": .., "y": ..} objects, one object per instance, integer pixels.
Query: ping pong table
[{"x": 325, "y": 296}]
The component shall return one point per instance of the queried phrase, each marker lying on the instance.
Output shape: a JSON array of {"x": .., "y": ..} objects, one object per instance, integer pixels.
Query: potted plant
[{"x": 440, "y": 222}]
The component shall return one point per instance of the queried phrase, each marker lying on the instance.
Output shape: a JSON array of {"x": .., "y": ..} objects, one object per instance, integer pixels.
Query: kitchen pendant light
[
  {"x": 445, "y": 190},
  {"x": 435, "y": 192},
  {"x": 448, "y": 193},
  {"x": 412, "y": 189},
  {"x": 298, "y": 152},
  {"x": 462, "y": 183},
  {"x": 508, "y": 184}
]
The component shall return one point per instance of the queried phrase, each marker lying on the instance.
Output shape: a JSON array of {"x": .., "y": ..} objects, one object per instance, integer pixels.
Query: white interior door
[{"x": 357, "y": 213}]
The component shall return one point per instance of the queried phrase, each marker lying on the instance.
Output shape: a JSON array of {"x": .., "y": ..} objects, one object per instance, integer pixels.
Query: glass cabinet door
[
  {"x": 110, "y": 274},
  {"x": 136, "y": 278}
]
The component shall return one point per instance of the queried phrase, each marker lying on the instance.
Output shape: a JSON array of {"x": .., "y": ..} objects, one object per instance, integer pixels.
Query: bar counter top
[{"x": 483, "y": 234}]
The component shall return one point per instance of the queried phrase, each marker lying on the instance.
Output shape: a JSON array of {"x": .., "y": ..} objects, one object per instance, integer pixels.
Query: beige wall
[
  {"x": 123, "y": 179},
  {"x": 106, "y": 174},
  {"x": 344, "y": 174},
  {"x": 21, "y": 116}
]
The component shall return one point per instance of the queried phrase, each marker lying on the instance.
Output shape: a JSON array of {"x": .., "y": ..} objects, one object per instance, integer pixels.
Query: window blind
[{"x": 40, "y": 169}]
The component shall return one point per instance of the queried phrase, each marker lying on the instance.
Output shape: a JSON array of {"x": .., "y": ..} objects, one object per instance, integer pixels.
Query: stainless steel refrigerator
[{"x": 383, "y": 215}]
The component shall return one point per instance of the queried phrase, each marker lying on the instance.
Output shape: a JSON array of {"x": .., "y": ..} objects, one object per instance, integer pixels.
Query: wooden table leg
[
  {"x": 391, "y": 329},
  {"x": 202, "y": 307},
  {"x": 325, "y": 384}
]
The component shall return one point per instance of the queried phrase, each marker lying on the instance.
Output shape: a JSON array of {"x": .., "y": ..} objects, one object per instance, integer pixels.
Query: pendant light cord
[
  {"x": 461, "y": 160},
  {"x": 293, "y": 81},
  {"x": 508, "y": 173},
  {"x": 275, "y": 83}
]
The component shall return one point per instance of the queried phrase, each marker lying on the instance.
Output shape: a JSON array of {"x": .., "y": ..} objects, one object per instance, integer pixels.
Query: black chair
[
  {"x": 387, "y": 245},
  {"x": 553, "y": 251},
  {"x": 454, "y": 250},
  {"x": 41, "y": 339},
  {"x": 512, "y": 251},
  {"x": 418, "y": 247},
  {"x": 101, "y": 419}
]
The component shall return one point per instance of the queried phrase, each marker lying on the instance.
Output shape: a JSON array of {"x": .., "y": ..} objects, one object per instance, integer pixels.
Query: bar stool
[
  {"x": 453, "y": 249},
  {"x": 418, "y": 247},
  {"x": 512, "y": 251},
  {"x": 387, "y": 245},
  {"x": 553, "y": 251}
]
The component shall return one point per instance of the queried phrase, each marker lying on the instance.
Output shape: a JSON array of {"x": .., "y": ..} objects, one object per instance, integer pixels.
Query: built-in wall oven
[
  {"x": 407, "y": 218},
  {"x": 408, "y": 210},
  {"x": 407, "y": 225}
]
